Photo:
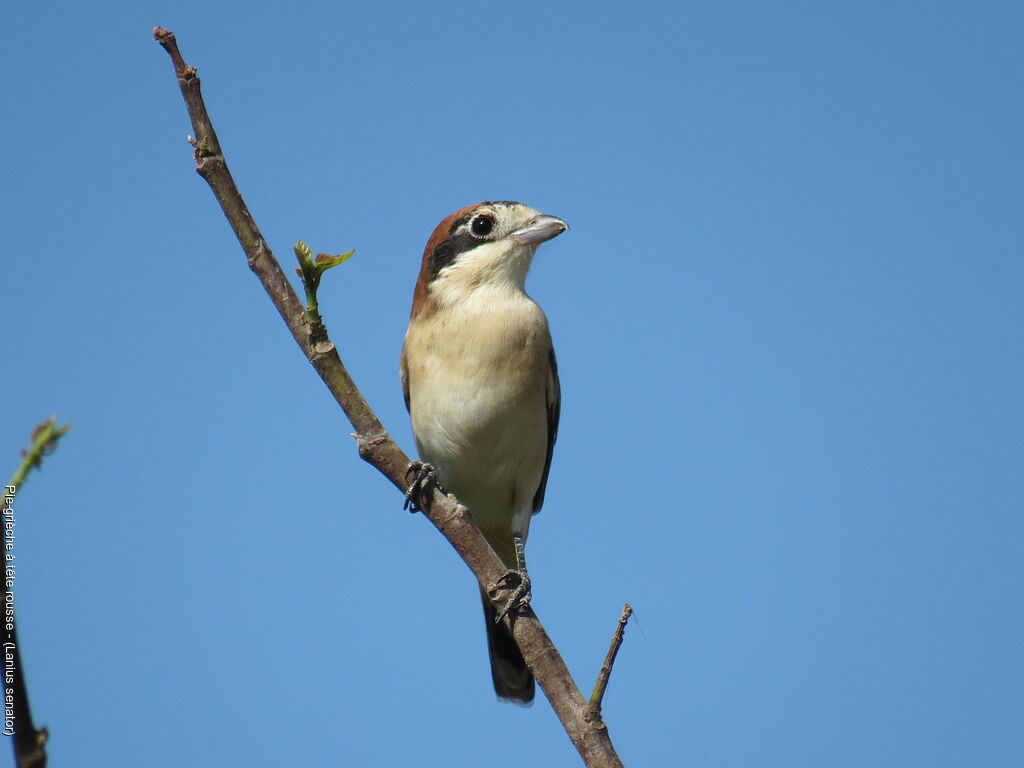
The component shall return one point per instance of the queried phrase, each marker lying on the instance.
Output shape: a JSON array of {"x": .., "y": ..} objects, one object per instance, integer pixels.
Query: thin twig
[
  {"x": 44, "y": 442},
  {"x": 29, "y": 743},
  {"x": 601, "y": 684},
  {"x": 374, "y": 443}
]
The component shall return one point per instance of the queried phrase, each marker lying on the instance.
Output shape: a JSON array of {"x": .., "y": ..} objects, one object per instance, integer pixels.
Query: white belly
[{"x": 477, "y": 384}]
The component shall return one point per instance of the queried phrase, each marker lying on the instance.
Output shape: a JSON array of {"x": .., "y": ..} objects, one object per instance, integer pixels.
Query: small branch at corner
[
  {"x": 27, "y": 741},
  {"x": 44, "y": 442},
  {"x": 609, "y": 660}
]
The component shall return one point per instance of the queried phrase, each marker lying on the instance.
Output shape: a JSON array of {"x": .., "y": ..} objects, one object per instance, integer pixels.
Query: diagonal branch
[{"x": 375, "y": 445}]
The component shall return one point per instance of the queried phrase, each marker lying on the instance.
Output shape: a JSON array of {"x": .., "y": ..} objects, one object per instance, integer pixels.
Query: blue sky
[{"x": 789, "y": 323}]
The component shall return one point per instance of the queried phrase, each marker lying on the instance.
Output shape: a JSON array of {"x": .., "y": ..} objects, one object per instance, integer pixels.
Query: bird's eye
[{"x": 481, "y": 225}]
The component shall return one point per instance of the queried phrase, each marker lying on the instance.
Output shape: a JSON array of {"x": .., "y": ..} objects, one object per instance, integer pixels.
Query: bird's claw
[
  {"x": 424, "y": 479},
  {"x": 519, "y": 582}
]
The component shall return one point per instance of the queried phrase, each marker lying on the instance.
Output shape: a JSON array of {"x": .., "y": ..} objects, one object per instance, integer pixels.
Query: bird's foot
[
  {"x": 517, "y": 580},
  {"x": 424, "y": 480}
]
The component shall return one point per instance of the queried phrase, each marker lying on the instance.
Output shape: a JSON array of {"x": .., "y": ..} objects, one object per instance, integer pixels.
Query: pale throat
[{"x": 494, "y": 270}]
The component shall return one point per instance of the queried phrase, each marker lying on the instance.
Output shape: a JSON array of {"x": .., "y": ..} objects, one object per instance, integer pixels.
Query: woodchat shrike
[{"x": 481, "y": 385}]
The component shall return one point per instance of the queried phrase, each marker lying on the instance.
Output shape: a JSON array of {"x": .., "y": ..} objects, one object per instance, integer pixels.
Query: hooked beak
[{"x": 540, "y": 229}]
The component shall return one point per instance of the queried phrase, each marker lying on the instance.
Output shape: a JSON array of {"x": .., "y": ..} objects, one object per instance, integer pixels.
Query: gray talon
[{"x": 424, "y": 479}]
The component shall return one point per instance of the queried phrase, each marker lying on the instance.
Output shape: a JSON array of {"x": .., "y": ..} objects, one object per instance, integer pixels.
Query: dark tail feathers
[{"x": 512, "y": 680}]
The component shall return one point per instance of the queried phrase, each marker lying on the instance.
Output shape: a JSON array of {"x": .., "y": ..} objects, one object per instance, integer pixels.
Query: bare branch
[
  {"x": 601, "y": 684},
  {"x": 374, "y": 443}
]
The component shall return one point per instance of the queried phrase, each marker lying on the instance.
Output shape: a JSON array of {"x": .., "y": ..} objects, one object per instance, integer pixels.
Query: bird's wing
[
  {"x": 403, "y": 372},
  {"x": 553, "y": 394}
]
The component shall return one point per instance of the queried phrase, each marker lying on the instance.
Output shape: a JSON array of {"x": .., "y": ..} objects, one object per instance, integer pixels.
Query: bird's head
[{"x": 483, "y": 246}]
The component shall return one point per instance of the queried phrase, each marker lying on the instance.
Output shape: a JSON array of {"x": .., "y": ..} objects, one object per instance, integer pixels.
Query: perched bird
[{"x": 481, "y": 385}]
